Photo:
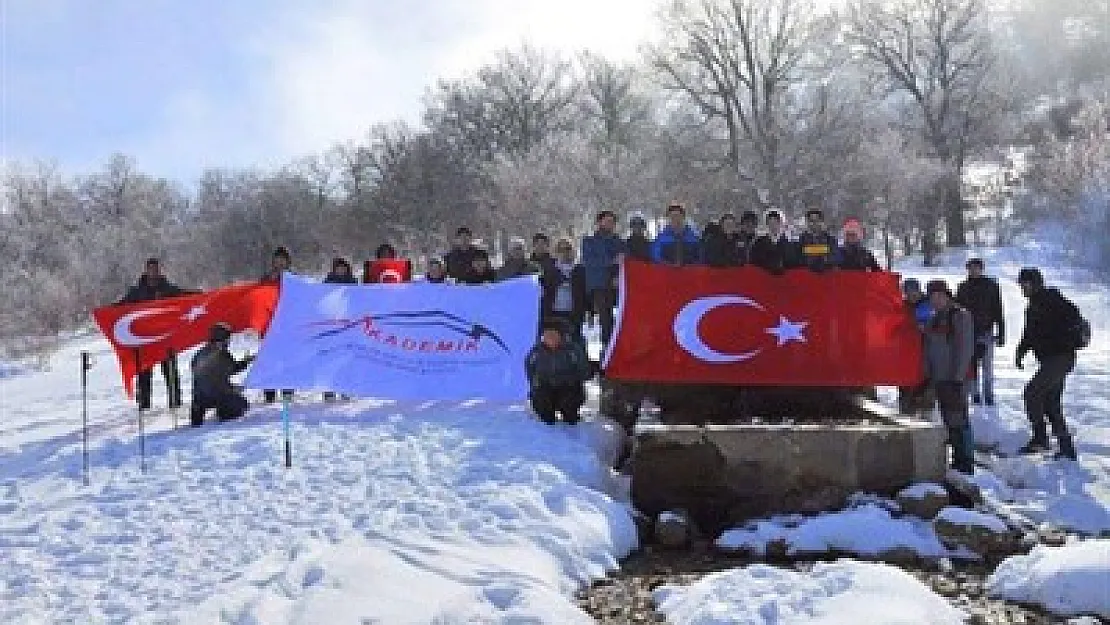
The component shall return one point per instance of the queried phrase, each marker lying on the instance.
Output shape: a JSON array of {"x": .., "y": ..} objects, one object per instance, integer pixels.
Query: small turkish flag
[
  {"x": 387, "y": 271},
  {"x": 146, "y": 333},
  {"x": 748, "y": 327}
]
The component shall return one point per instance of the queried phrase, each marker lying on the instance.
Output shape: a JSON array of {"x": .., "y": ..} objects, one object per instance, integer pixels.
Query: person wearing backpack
[
  {"x": 949, "y": 354},
  {"x": 1054, "y": 330}
]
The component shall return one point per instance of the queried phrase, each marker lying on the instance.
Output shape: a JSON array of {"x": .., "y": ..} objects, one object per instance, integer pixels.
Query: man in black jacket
[
  {"x": 1047, "y": 321},
  {"x": 723, "y": 244},
  {"x": 773, "y": 251},
  {"x": 564, "y": 290},
  {"x": 638, "y": 245},
  {"x": 557, "y": 370},
  {"x": 212, "y": 368},
  {"x": 982, "y": 297},
  {"x": 153, "y": 285},
  {"x": 460, "y": 259},
  {"x": 818, "y": 248}
]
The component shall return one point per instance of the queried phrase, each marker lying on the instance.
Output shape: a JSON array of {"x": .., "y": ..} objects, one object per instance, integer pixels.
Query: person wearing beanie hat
[
  {"x": 913, "y": 400},
  {"x": 557, "y": 370},
  {"x": 212, "y": 367},
  {"x": 981, "y": 296},
  {"x": 341, "y": 272},
  {"x": 949, "y": 350},
  {"x": 1054, "y": 330},
  {"x": 638, "y": 245}
]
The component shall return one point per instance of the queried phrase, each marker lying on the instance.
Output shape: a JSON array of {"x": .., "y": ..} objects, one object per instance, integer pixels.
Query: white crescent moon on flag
[
  {"x": 688, "y": 319},
  {"x": 124, "y": 335},
  {"x": 393, "y": 275}
]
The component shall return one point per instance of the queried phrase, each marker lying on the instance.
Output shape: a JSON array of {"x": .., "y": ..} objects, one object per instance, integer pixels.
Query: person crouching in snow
[
  {"x": 557, "y": 370},
  {"x": 949, "y": 350},
  {"x": 212, "y": 368}
]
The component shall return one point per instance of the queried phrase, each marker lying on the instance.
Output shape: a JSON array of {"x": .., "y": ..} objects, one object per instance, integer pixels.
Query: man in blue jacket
[
  {"x": 601, "y": 255},
  {"x": 678, "y": 244}
]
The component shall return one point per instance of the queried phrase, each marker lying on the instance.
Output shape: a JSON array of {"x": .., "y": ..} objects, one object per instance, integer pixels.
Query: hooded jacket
[
  {"x": 949, "y": 345},
  {"x": 1047, "y": 318}
]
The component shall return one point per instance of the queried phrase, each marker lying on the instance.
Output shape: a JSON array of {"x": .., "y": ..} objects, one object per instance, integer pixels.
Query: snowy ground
[
  {"x": 392, "y": 513},
  {"x": 845, "y": 592},
  {"x": 1071, "y": 496},
  {"x": 1069, "y": 580}
]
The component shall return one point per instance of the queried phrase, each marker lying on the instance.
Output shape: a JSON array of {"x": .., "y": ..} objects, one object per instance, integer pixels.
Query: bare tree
[
  {"x": 939, "y": 54},
  {"x": 738, "y": 62},
  {"x": 507, "y": 107}
]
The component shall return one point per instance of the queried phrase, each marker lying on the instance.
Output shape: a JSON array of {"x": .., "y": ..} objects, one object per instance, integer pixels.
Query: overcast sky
[{"x": 185, "y": 84}]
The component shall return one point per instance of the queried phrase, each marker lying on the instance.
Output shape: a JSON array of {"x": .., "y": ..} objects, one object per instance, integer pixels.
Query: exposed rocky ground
[{"x": 626, "y": 596}]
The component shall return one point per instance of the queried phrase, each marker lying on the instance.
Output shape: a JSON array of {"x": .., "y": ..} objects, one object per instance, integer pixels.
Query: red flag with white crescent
[
  {"x": 145, "y": 333},
  {"x": 745, "y": 326},
  {"x": 387, "y": 271}
]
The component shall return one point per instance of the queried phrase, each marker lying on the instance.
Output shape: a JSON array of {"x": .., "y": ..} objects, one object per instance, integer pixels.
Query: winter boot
[
  {"x": 1034, "y": 446},
  {"x": 1067, "y": 449}
]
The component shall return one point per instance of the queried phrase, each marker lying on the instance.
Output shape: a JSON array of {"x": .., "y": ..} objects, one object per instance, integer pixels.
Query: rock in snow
[
  {"x": 923, "y": 500},
  {"x": 1069, "y": 581},
  {"x": 845, "y": 592}
]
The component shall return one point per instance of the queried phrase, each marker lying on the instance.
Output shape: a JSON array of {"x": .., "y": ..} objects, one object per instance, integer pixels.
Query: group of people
[{"x": 960, "y": 332}]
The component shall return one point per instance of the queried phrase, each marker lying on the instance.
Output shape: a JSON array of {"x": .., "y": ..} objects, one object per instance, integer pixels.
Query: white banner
[{"x": 401, "y": 341}]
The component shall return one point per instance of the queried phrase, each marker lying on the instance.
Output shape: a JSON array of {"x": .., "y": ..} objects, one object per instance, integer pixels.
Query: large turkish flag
[
  {"x": 748, "y": 327},
  {"x": 145, "y": 333}
]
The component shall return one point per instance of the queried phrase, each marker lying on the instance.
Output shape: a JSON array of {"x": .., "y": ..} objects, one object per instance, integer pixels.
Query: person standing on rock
[
  {"x": 1051, "y": 333},
  {"x": 982, "y": 298},
  {"x": 949, "y": 350},
  {"x": 602, "y": 252}
]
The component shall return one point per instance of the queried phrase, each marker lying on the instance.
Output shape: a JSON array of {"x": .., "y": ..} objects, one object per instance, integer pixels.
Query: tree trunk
[{"x": 953, "y": 204}]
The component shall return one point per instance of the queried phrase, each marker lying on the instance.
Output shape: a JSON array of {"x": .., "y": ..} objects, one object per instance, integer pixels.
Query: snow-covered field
[
  {"x": 451, "y": 513},
  {"x": 423, "y": 513}
]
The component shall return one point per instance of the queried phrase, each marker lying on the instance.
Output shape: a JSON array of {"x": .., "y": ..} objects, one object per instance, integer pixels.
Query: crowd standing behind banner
[{"x": 959, "y": 331}]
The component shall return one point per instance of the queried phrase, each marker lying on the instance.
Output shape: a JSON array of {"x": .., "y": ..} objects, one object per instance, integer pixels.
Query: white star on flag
[
  {"x": 787, "y": 331},
  {"x": 196, "y": 312}
]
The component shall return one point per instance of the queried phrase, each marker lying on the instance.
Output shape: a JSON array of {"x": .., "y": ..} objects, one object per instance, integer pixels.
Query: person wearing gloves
[{"x": 212, "y": 368}]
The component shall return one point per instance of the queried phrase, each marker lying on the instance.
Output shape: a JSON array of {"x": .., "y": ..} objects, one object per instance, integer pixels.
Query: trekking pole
[
  {"x": 175, "y": 388},
  {"x": 85, "y": 366},
  {"x": 285, "y": 427}
]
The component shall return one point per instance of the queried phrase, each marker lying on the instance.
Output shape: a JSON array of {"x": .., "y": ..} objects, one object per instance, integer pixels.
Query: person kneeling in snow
[
  {"x": 557, "y": 369},
  {"x": 212, "y": 368},
  {"x": 949, "y": 350}
]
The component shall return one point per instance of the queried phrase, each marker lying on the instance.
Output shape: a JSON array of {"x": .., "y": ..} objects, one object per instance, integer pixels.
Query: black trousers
[
  {"x": 270, "y": 395},
  {"x": 547, "y": 400},
  {"x": 1044, "y": 397},
  {"x": 228, "y": 407},
  {"x": 604, "y": 301},
  {"x": 952, "y": 398},
  {"x": 172, "y": 377}
]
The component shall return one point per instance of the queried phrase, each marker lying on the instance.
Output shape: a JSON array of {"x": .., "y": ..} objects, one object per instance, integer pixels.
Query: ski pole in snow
[
  {"x": 86, "y": 364},
  {"x": 285, "y": 427}
]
